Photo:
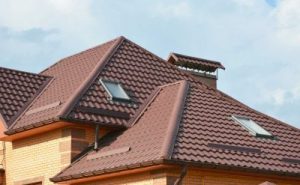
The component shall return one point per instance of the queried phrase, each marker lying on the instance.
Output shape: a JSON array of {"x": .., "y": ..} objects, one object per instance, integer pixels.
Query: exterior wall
[{"x": 40, "y": 157}]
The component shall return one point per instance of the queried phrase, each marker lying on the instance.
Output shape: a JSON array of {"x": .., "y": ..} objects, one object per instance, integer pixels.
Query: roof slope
[
  {"x": 142, "y": 144},
  {"x": 17, "y": 89},
  {"x": 207, "y": 134},
  {"x": 77, "y": 77},
  {"x": 139, "y": 72},
  {"x": 69, "y": 75}
]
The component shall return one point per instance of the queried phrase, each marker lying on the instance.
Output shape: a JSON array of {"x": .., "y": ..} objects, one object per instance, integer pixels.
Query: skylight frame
[
  {"x": 120, "y": 87},
  {"x": 252, "y": 131}
]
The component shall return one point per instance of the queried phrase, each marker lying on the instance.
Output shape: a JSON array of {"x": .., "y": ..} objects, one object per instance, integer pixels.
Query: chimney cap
[{"x": 194, "y": 62}]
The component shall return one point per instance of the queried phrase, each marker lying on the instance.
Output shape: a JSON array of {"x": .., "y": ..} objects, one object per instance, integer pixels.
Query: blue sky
[{"x": 258, "y": 41}]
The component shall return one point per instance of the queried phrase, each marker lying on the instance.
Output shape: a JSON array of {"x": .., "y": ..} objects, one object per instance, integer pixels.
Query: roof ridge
[
  {"x": 143, "y": 108},
  {"x": 79, "y": 53},
  {"x": 188, "y": 75},
  {"x": 30, "y": 73},
  {"x": 30, "y": 102},
  {"x": 149, "y": 100},
  {"x": 174, "y": 122},
  {"x": 70, "y": 103}
]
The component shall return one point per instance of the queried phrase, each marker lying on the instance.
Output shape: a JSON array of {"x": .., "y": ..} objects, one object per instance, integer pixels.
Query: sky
[{"x": 258, "y": 41}]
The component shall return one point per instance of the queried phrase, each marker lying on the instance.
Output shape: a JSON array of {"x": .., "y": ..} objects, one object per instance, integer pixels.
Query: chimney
[{"x": 203, "y": 69}]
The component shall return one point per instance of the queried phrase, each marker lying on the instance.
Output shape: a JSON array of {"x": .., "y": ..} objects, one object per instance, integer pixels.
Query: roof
[
  {"x": 69, "y": 76},
  {"x": 17, "y": 89},
  {"x": 120, "y": 60},
  {"x": 203, "y": 132},
  {"x": 122, "y": 150},
  {"x": 194, "y": 62}
]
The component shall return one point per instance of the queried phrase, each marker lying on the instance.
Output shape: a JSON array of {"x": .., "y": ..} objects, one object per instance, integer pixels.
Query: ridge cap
[
  {"x": 70, "y": 103},
  {"x": 175, "y": 119},
  {"x": 79, "y": 53},
  {"x": 27, "y": 106}
]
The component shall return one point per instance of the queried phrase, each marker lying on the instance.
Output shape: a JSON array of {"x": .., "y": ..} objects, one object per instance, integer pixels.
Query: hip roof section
[
  {"x": 148, "y": 139},
  {"x": 17, "y": 90},
  {"x": 69, "y": 74},
  {"x": 206, "y": 133}
]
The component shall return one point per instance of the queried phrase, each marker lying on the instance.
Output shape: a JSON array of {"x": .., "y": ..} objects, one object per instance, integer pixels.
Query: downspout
[
  {"x": 96, "y": 137},
  {"x": 182, "y": 175}
]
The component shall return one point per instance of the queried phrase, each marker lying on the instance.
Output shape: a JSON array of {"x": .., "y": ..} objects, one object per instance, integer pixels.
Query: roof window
[
  {"x": 115, "y": 90},
  {"x": 252, "y": 127}
]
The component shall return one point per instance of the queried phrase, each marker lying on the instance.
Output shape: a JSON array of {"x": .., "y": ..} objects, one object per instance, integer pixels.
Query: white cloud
[
  {"x": 288, "y": 19},
  {"x": 49, "y": 14}
]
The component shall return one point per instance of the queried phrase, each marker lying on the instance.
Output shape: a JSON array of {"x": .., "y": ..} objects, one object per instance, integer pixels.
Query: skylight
[
  {"x": 252, "y": 127},
  {"x": 115, "y": 90}
]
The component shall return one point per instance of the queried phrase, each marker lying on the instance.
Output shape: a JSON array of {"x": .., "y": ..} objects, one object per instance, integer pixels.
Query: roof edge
[
  {"x": 70, "y": 103},
  {"x": 158, "y": 164},
  {"x": 211, "y": 166},
  {"x": 174, "y": 122},
  {"x": 29, "y": 73}
]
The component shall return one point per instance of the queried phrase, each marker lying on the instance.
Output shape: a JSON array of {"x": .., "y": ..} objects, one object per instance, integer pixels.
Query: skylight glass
[
  {"x": 115, "y": 90},
  {"x": 252, "y": 127}
]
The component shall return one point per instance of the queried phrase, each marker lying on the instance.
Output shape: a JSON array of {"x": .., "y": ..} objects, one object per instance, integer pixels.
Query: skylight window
[
  {"x": 252, "y": 127},
  {"x": 115, "y": 90}
]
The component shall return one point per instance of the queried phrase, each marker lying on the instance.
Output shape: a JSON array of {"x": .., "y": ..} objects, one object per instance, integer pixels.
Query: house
[{"x": 118, "y": 114}]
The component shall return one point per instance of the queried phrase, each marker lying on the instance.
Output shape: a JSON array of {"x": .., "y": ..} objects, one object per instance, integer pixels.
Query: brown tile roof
[
  {"x": 143, "y": 143},
  {"x": 70, "y": 75},
  {"x": 195, "y": 63},
  {"x": 17, "y": 89},
  {"x": 206, "y": 133},
  {"x": 139, "y": 72}
]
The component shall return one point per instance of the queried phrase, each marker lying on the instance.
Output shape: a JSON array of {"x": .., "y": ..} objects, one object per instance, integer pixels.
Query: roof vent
[{"x": 205, "y": 70}]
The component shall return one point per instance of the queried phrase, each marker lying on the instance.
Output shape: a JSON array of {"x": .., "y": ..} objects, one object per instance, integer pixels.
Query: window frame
[
  {"x": 111, "y": 97},
  {"x": 237, "y": 118}
]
